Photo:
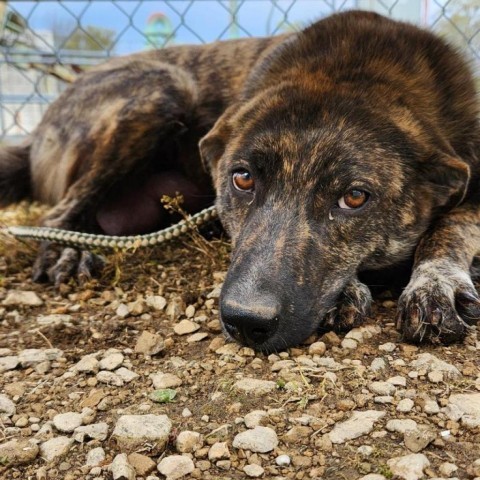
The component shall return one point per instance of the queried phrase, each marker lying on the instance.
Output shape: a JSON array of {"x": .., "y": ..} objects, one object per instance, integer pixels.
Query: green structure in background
[{"x": 159, "y": 31}]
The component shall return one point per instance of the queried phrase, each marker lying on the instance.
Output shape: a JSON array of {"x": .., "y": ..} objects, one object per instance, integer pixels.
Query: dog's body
[{"x": 348, "y": 147}]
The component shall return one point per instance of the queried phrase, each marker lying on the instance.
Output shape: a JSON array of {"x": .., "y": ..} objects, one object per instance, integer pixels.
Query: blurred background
[{"x": 45, "y": 44}]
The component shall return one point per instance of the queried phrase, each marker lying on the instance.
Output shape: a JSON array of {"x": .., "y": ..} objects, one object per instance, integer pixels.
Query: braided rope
[{"x": 79, "y": 239}]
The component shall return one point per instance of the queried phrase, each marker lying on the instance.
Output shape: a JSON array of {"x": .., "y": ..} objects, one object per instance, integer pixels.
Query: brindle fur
[{"x": 355, "y": 100}]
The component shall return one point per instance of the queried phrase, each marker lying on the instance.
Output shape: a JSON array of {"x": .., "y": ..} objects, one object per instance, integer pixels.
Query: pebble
[
  {"x": 111, "y": 362},
  {"x": 95, "y": 457},
  {"x": 398, "y": 381},
  {"x": 55, "y": 448},
  {"x": 188, "y": 441},
  {"x": 409, "y": 467},
  {"x": 431, "y": 363},
  {"x": 176, "y": 466},
  {"x": 132, "y": 431},
  {"x": 165, "y": 380},
  {"x": 9, "y": 362},
  {"x": 255, "y": 386},
  {"x": 67, "y": 422},
  {"x": 26, "y": 298},
  {"x": 87, "y": 364},
  {"x": 435, "y": 376},
  {"x": 110, "y": 378},
  {"x": 431, "y": 407},
  {"x": 185, "y": 327},
  {"x": 401, "y": 426},
  {"x": 419, "y": 438},
  {"x": 121, "y": 468},
  {"x": 365, "y": 450},
  {"x": 7, "y": 407},
  {"x": 405, "y": 405},
  {"x": 197, "y": 337},
  {"x": 95, "y": 431},
  {"x": 149, "y": 343},
  {"x": 259, "y": 439},
  {"x": 382, "y": 388},
  {"x": 126, "y": 375},
  {"x": 218, "y": 451},
  {"x": 30, "y": 357},
  {"x": 317, "y": 348},
  {"x": 253, "y": 470},
  {"x": 156, "y": 302},
  {"x": 142, "y": 464},
  {"x": 360, "y": 423},
  {"x": 190, "y": 311},
  {"x": 283, "y": 460},
  {"x": 446, "y": 469},
  {"x": 378, "y": 364},
  {"x": 373, "y": 476},
  {"x": 18, "y": 451},
  {"x": 468, "y": 407},
  {"x": 122, "y": 311},
  {"x": 388, "y": 347},
  {"x": 254, "y": 418},
  {"x": 349, "y": 344}
]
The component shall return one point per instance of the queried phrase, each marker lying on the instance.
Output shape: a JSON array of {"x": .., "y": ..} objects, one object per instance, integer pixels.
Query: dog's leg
[
  {"x": 352, "y": 308},
  {"x": 440, "y": 302}
]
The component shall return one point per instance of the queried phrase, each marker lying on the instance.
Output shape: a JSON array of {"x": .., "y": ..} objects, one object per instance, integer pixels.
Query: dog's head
[{"x": 313, "y": 188}]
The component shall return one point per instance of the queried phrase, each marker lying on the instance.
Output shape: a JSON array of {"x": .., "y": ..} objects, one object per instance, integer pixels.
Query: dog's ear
[
  {"x": 448, "y": 177},
  {"x": 212, "y": 145}
]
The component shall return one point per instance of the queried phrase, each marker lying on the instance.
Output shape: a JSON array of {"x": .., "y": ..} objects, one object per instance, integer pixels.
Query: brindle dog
[{"x": 351, "y": 146}]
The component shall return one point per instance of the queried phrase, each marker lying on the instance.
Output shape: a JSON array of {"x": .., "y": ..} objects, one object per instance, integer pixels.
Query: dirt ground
[{"x": 318, "y": 398}]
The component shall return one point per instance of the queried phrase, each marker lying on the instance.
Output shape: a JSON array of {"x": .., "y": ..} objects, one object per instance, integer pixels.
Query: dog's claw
[
  {"x": 353, "y": 307},
  {"x": 438, "y": 310},
  {"x": 57, "y": 265}
]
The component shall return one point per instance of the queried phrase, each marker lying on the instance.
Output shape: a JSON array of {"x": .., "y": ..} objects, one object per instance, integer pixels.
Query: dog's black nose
[{"x": 253, "y": 324}]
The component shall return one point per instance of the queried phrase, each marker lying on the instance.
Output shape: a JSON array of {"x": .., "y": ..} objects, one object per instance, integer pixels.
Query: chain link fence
[{"x": 45, "y": 44}]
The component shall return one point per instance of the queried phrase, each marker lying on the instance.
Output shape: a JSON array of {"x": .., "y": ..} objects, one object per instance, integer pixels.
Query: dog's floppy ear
[
  {"x": 448, "y": 176},
  {"x": 212, "y": 145}
]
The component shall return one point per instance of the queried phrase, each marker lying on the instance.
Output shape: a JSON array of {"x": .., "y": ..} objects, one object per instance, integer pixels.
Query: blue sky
[{"x": 203, "y": 20}]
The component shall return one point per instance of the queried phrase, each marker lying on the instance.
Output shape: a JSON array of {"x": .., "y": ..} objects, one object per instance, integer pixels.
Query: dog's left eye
[
  {"x": 243, "y": 180},
  {"x": 353, "y": 199}
]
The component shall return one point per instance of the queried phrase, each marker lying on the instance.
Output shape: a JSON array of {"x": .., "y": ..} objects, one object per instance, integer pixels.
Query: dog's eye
[
  {"x": 353, "y": 199},
  {"x": 243, "y": 180}
]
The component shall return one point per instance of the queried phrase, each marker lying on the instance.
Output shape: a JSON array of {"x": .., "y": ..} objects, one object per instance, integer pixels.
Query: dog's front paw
[
  {"x": 352, "y": 308},
  {"x": 438, "y": 305},
  {"x": 57, "y": 264}
]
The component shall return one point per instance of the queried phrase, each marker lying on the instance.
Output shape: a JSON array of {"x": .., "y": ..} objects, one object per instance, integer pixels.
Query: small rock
[
  {"x": 112, "y": 361},
  {"x": 382, "y": 388},
  {"x": 255, "y": 386},
  {"x": 122, "y": 311},
  {"x": 95, "y": 431},
  {"x": 259, "y": 439},
  {"x": 55, "y": 448},
  {"x": 431, "y": 363},
  {"x": 188, "y": 441},
  {"x": 283, "y": 460},
  {"x": 156, "y": 302},
  {"x": 121, "y": 469},
  {"x": 27, "y": 298},
  {"x": 398, "y": 381},
  {"x": 190, "y": 311},
  {"x": 176, "y": 466},
  {"x": 30, "y": 357},
  {"x": 110, "y": 378},
  {"x": 378, "y": 364},
  {"x": 132, "y": 431},
  {"x": 253, "y": 470},
  {"x": 136, "y": 308},
  {"x": 9, "y": 362},
  {"x": 185, "y": 326},
  {"x": 18, "y": 452},
  {"x": 218, "y": 451},
  {"x": 317, "y": 348},
  {"x": 373, "y": 476},
  {"x": 149, "y": 343},
  {"x": 365, "y": 450},
  {"x": 360, "y": 423},
  {"x": 349, "y": 344},
  {"x": 405, "y": 405},
  {"x": 165, "y": 380},
  {"x": 254, "y": 419},
  {"x": 175, "y": 308},
  {"x": 142, "y": 464},
  {"x": 67, "y": 422},
  {"x": 7, "y": 407},
  {"x": 431, "y": 407},
  {"x": 401, "y": 426},
  {"x": 416, "y": 440},
  {"x": 435, "y": 376},
  {"x": 54, "y": 319},
  {"x": 409, "y": 467},
  {"x": 126, "y": 375},
  {"x": 446, "y": 469},
  {"x": 95, "y": 457},
  {"x": 388, "y": 347},
  {"x": 197, "y": 337},
  {"x": 87, "y": 364},
  {"x": 468, "y": 406}
]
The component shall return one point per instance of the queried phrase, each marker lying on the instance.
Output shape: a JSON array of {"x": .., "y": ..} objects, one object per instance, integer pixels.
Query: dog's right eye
[{"x": 243, "y": 180}]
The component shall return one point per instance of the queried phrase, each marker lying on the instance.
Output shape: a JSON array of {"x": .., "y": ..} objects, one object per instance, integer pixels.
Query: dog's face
[{"x": 313, "y": 188}]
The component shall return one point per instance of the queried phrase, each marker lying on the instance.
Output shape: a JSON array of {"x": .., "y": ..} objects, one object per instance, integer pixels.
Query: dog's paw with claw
[
  {"x": 439, "y": 305},
  {"x": 352, "y": 308},
  {"x": 58, "y": 264}
]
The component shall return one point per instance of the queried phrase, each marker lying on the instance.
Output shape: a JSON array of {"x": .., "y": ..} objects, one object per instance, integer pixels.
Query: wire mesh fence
[{"x": 45, "y": 44}]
